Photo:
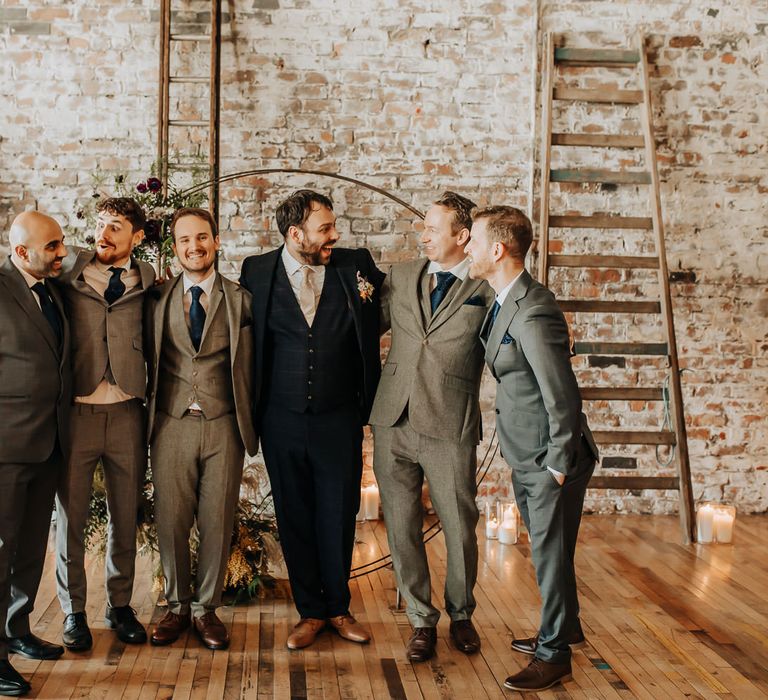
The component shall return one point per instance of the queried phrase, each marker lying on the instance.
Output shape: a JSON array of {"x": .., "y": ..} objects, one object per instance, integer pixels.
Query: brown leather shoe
[
  {"x": 421, "y": 645},
  {"x": 528, "y": 645},
  {"x": 169, "y": 629},
  {"x": 304, "y": 632},
  {"x": 211, "y": 631},
  {"x": 539, "y": 675},
  {"x": 349, "y": 628},
  {"x": 464, "y": 636}
]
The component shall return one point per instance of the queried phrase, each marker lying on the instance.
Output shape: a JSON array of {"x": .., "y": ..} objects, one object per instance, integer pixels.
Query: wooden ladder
[
  {"x": 555, "y": 90},
  {"x": 211, "y": 42}
]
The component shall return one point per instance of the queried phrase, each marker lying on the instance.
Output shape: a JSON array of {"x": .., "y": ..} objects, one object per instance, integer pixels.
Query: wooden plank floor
[{"x": 661, "y": 620}]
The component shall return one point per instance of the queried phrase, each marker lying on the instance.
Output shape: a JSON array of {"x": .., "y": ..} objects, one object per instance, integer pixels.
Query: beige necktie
[{"x": 307, "y": 294}]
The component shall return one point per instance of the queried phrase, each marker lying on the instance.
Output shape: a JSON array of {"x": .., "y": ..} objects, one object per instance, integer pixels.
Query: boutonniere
[{"x": 364, "y": 288}]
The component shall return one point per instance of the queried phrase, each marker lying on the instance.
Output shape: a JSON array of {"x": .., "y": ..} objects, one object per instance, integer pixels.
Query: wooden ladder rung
[
  {"x": 601, "y": 348},
  {"x": 190, "y": 37},
  {"x": 627, "y": 262},
  {"x": 184, "y": 79},
  {"x": 634, "y": 437},
  {"x": 601, "y": 221},
  {"x": 188, "y": 122},
  {"x": 599, "y": 95},
  {"x": 670, "y": 483},
  {"x": 621, "y": 58},
  {"x": 621, "y": 393},
  {"x": 609, "y": 307},
  {"x": 599, "y": 140},
  {"x": 614, "y": 177}
]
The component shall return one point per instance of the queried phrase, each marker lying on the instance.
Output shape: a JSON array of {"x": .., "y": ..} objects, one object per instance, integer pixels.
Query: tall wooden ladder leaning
[
  {"x": 210, "y": 43},
  {"x": 670, "y": 390}
]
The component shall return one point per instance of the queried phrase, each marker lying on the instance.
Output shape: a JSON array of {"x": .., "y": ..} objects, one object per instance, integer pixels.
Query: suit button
[
  {"x": 309, "y": 397},
  {"x": 311, "y": 350},
  {"x": 309, "y": 381},
  {"x": 194, "y": 386},
  {"x": 194, "y": 374},
  {"x": 425, "y": 342},
  {"x": 497, "y": 411},
  {"x": 309, "y": 335}
]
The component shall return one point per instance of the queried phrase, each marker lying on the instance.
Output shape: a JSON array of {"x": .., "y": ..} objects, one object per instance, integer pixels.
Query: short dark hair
[
  {"x": 461, "y": 208},
  {"x": 124, "y": 206},
  {"x": 509, "y": 226},
  {"x": 194, "y": 211},
  {"x": 295, "y": 210}
]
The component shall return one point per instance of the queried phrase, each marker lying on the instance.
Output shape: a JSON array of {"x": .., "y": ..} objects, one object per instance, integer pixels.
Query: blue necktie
[
  {"x": 48, "y": 309},
  {"x": 196, "y": 317},
  {"x": 492, "y": 318},
  {"x": 116, "y": 287},
  {"x": 444, "y": 282}
]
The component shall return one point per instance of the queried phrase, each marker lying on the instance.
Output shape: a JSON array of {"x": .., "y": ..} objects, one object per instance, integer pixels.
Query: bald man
[{"x": 34, "y": 398}]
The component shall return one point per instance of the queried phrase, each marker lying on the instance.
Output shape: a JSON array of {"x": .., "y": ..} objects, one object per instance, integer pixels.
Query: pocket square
[
  {"x": 507, "y": 339},
  {"x": 476, "y": 300}
]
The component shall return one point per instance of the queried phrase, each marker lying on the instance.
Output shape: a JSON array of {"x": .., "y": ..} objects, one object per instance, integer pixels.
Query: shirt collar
[
  {"x": 105, "y": 268},
  {"x": 292, "y": 266},
  {"x": 206, "y": 285},
  {"x": 31, "y": 280},
  {"x": 461, "y": 270},
  {"x": 502, "y": 295}
]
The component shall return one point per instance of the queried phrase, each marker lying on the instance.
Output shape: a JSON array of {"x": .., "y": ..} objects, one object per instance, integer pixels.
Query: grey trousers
[
  {"x": 552, "y": 515},
  {"x": 197, "y": 467},
  {"x": 26, "y": 504},
  {"x": 402, "y": 458},
  {"x": 114, "y": 434}
]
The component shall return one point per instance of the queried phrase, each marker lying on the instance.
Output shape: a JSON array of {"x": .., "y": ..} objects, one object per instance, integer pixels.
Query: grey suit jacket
[
  {"x": 538, "y": 404},
  {"x": 435, "y": 362},
  {"x": 102, "y": 334},
  {"x": 240, "y": 321},
  {"x": 35, "y": 378}
]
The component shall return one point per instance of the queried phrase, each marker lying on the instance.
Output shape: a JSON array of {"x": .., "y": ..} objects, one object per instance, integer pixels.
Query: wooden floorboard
[{"x": 662, "y": 620}]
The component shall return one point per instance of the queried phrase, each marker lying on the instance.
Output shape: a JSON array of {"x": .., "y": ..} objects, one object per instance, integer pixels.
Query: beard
[{"x": 312, "y": 254}]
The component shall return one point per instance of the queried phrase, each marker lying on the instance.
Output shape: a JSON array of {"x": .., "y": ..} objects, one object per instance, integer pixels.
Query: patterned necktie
[
  {"x": 492, "y": 317},
  {"x": 444, "y": 282},
  {"x": 116, "y": 287},
  {"x": 48, "y": 308},
  {"x": 196, "y": 317},
  {"x": 307, "y": 294}
]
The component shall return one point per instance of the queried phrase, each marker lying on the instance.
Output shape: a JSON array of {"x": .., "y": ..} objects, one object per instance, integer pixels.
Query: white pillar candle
[
  {"x": 705, "y": 524},
  {"x": 491, "y": 529},
  {"x": 508, "y": 531},
  {"x": 371, "y": 500},
  {"x": 723, "y": 526}
]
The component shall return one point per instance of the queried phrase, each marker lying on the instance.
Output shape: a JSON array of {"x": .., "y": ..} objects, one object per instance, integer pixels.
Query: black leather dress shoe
[
  {"x": 123, "y": 621},
  {"x": 11, "y": 682},
  {"x": 421, "y": 645},
  {"x": 464, "y": 636},
  {"x": 528, "y": 645},
  {"x": 31, "y": 647},
  {"x": 77, "y": 636}
]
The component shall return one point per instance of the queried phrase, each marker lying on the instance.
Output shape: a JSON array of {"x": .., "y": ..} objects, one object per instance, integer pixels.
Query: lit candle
[
  {"x": 508, "y": 531},
  {"x": 705, "y": 523},
  {"x": 371, "y": 501},
  {"x": 491, "y": 529},
  {"x": 723, "y": 526}
]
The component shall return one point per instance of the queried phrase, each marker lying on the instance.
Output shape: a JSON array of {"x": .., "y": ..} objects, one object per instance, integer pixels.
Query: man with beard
[
  {"x": 316, "y": 330},
  {"x": 104, "y": 297},
  {"x": 35, "y": 393},
  {"x": 543, "y": 434},
  {"x": 199, "y": 424}
]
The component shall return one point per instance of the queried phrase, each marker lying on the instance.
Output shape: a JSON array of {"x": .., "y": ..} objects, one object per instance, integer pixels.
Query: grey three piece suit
[
  {"x": 197, "y": 460},
  {"x": 35, "y": 392},
  {"x": 107, "y": 345},
  {"x": 426, "y": 422},
  {"x": 540, "y": 424}
]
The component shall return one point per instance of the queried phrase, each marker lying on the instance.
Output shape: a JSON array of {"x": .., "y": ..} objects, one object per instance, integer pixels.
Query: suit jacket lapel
[
  {"x": 234, "y": 312},
  {"x": 217, "y": 294},
  {"x": 160, "y": 314},
  {"x": 421, "y": 283},
  {"x": 24, "y": 295},
  {"x": 465, "y": 289},
  {"x": 348, "y": 275},
  {"x": 83, "y": 258}
]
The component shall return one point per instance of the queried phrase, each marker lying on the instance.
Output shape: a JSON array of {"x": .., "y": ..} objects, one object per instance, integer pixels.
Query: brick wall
[{"x": 416, "y": 97}]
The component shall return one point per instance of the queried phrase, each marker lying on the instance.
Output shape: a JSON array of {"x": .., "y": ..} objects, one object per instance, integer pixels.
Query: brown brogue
[
  {"x": 539, "y": 675},
  {"x": 304, "y": 632},
  {"x": 211, "y": 631},
  {"x": 169, "y": 629},
  {"x": 528, "y": 645},
  {"x": 349, "y": 628},
  {"x": 464, "y": 636},
  {"x": 421, "y": 645}
]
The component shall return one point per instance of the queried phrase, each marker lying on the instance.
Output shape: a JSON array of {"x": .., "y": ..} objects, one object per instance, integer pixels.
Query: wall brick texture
[{"x": 419, "y": 96}]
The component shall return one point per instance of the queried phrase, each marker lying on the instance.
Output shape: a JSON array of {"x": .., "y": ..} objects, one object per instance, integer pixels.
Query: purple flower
[
  {"x": 80, "y": 214},
  {"x": 152, "y": 230},
  {"x": 90, "y": 240},
  {"x": 119, "y": 179},
  {"x": 154, "y": 184},
  {"x": 141, "y": 187}
]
